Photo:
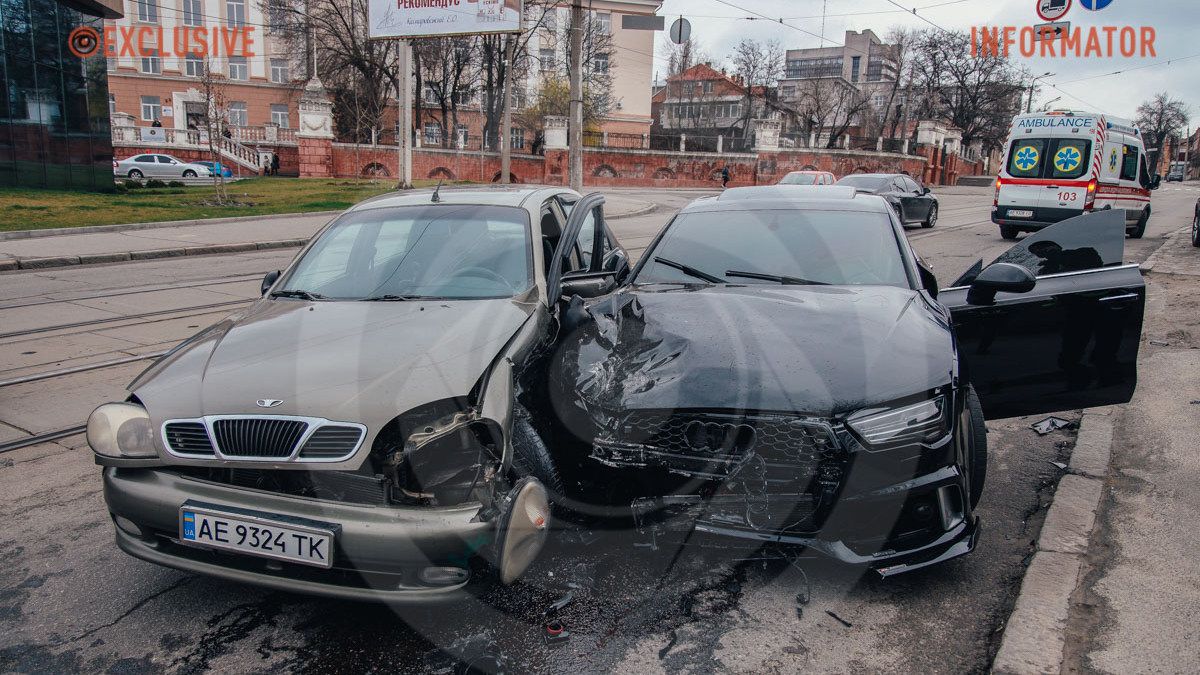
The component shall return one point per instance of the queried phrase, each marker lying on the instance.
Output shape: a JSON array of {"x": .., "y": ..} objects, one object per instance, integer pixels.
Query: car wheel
[
  {"x": 1139, "y": 231},
  {"x": 1009, "y": 232},
  {"x": 531, "y": 457},
  {"x": 932, "y": 219},
  {"x": 976, "y": 438},
  {"x": 135, "y": 174},
  {"x": 1196, "y": 232},
  {"x": 189, "y": 174}
]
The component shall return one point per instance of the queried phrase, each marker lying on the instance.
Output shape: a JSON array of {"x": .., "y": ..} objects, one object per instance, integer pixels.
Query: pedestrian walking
[{"x": 725, "y": 177}]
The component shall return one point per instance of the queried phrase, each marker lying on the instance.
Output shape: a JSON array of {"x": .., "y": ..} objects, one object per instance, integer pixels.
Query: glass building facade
[{"x": 54, "y": 117}]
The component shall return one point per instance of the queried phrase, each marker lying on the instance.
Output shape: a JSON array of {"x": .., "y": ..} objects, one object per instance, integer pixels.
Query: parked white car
[{"x": 158, "y": 166}]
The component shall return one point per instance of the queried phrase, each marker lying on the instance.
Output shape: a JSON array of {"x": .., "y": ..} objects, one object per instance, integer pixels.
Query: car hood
[
  {"x": 362, "y": 362},
  {"x": 819, "y": 350}
]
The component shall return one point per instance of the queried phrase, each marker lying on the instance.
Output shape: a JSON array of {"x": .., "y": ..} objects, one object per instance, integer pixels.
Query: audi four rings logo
[
  {"x": 83, "y": 41},
  {"x": 712, "y": 437},
  {"x": 269, "y": 402}
]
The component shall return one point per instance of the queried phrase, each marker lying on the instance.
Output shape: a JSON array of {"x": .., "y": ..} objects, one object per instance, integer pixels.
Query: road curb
[
  {"x": 636, "y": 213},
  {"x": 127, "y": 227},
  {"x": 148, "y": 254},
  {"x": 1035, "y": 634}
]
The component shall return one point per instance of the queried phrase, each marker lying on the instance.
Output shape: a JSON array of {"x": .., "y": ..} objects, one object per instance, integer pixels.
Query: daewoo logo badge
[{"x": 269, "y": 402}]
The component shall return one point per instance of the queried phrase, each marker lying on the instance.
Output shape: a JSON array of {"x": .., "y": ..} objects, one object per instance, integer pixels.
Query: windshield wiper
[
  {"x": 691, "y": 271},
  {"x": 397, "y": 298},
  {"x": 301, "y": 295},
  {"x": 787, "y": 281}
]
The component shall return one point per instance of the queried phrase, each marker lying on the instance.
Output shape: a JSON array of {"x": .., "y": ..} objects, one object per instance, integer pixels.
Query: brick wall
[
  {"x": 350, "y": 160},
  {"x": 315, "y": 158},
  {"x": 289, "y": 160}
]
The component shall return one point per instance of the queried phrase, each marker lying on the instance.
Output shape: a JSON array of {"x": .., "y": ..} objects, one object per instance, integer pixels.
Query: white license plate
[
  {"x": 1019, "y": 213},
  {"x": 265, "y": 537}
]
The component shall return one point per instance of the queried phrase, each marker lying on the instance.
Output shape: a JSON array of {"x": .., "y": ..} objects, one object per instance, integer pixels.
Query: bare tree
[
  {"x": 215, "y": 121},
  {"x": 829, "y": 105},
  {"x": 1160, "y": 119},
  {"x": 449, "y": 78},
  {"x": 758, "y": 65},
  {"x": 900, "y": 43},
  {"x": 681, "y": 57}
]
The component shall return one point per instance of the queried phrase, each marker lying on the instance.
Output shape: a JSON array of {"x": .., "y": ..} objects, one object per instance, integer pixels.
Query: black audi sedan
[
  {"x": 780, "y": 368},
  {"x": 913, "y": 202}
]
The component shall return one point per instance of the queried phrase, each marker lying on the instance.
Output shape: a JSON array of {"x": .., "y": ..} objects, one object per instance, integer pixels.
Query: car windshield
[
  {"x": 453, "y": 251},
  {"x": 799, "y": 179},
  {"x": 778, "y": 247},
  {"x": 873, "y": 183}
]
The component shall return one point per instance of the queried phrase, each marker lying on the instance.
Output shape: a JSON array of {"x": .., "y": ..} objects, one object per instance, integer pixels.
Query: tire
[
  {"x": 932, "y": 219},
  {"x": 1196, "y": 232},
  {"x": 531, "y": 457},
  {"x": 1140, "y": 231},
  {"x": 976, "y": 435},
  {"x": 135, "y": 174},
  {"x": 1009, "y": 232},
  {"x": 189, "y": 174}
]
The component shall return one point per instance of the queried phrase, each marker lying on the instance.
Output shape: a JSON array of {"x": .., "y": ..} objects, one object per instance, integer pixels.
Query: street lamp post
[{"x": 1032, "y": 87}]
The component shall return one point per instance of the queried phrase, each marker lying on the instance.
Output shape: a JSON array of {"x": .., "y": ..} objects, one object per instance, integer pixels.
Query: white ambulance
[{"x": 1061, "y": 164}]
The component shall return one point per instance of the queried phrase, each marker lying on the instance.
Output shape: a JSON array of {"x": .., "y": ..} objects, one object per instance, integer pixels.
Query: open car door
[
  {"x": 1054, "y": 323},
  {"x": 589, "y": 261}
]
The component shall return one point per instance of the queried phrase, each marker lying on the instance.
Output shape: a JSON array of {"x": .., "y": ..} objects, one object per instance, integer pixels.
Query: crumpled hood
[
  {"x": 362, "y": 362},
  {"x": 820, "y": 350}
]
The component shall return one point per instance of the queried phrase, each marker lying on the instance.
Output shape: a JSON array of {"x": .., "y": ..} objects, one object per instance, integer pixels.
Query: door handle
[
  {"x": 1051, "y": 187},
  {"x": 1118, "y": 298}
]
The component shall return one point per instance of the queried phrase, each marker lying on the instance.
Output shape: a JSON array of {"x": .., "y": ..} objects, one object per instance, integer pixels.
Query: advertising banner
[{"x": 431, "y": 18}]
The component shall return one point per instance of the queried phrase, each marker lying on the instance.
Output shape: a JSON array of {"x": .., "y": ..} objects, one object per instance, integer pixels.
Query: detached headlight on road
[
  {"x": 121, "y": 430},
  {"x": 922, "y": 422}
]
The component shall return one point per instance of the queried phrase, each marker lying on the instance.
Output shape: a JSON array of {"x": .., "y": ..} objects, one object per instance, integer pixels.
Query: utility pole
[
  {"x": 506, "y": 123},
  {"x": 575, "y": 140},
  {"x": 404, "y": 118}
]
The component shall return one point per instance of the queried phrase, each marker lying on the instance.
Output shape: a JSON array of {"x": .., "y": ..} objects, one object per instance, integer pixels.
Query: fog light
[
  {"x": 924, "y": 511},
  {"x": 127, "y": 526},
  {"x": 521, "y": 528},
  {"x": 444, "y": 576}
]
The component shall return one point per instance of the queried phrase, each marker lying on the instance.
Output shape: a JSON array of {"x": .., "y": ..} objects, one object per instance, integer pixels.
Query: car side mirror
[
  {"x": 590, "y": 286},
  {"x": 269, "y": 280},
  {"x": 925, "y": 190},
  {"x": 928, "y": 281},
  {"x": 1000, "y": 278},
  {"x": 617, "y": 264}
]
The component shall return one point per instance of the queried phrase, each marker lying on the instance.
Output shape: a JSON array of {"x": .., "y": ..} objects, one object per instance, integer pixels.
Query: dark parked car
[
  {"x": 802, "y": 379},
  {"x": 913, "y": 202},
  {"x": 214, "y": 167}
]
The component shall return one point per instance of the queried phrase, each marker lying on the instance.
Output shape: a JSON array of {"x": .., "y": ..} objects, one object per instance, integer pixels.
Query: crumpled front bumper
[{"x": 380, "y": 552}]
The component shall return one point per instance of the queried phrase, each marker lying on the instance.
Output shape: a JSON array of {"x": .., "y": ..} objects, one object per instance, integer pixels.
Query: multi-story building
[{"x": 702, "y": 101}]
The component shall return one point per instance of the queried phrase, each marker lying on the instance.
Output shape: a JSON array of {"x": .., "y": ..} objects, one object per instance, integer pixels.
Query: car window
[
  {"x": 874, "y": 183},
  {"x": 163, "y": 159},
  {"x": 910, "y": 184},
  {"x": 1071, "y": 158},
  {"x": 830, "y": 247},
  {"x": 1129, "y": 163},
  {"x": 450, "y": 251},
  {"x": 580, "y": 258},
  {"x": 898, "y": 185},
  {"x": 799, "y": 179},
  {"x": 144, "y": 158},
  {"x": 1086, "y": 242},
  {"x": 1025, "y": 157}
]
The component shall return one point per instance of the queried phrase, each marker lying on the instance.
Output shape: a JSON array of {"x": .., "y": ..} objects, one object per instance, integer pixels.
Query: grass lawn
[{"x": 35, "y": 209}]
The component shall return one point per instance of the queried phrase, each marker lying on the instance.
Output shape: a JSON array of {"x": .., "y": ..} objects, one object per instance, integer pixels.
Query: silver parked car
[
  {"x": 362, "y": 431},
  {"x": 158, "y": 166}
]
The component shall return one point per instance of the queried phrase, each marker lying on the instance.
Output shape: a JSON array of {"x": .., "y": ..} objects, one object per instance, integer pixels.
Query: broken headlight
[
  {"x": 923, "y": 422},
  {"x": 121, "y": 431}
]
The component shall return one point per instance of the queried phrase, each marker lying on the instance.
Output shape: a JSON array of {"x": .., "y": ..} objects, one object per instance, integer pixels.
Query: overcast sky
[{"x": 719, "y": 26}]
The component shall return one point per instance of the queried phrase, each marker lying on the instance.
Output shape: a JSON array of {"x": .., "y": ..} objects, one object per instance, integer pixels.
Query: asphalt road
[{"x": 69, "y": 600}]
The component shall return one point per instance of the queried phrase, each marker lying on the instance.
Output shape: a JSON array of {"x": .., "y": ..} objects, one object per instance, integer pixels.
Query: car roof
[
  {"x": 875, "y": 175},
  {"x": 512, "y": 195},
  {"x": 807, "y": 171},
  {"x": 783, "y": 197}
]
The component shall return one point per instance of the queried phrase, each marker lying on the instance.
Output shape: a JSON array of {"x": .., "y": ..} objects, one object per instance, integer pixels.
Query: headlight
[
  {"x": 917, "y": 423},
  {"x": 121, "y": 430}
]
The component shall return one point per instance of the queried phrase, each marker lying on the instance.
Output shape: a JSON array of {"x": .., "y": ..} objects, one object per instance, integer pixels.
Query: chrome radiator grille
[
  {"x": 263, "y": 438},
  {"x": 253, "y": 437}
]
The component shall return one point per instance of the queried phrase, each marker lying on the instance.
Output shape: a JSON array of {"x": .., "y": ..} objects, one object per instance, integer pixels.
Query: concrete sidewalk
[{"x": 145, "y": 241}]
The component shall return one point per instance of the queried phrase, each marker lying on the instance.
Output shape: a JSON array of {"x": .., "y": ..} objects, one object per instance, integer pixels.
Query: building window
[
  {"x": 517, "y": 139},
  {"x": 237, "y": 114},
  {"x": 520, "y": 98},
  {"x": 429, "y": 95},
  {"x": 147, "y": 11},
  {"x": 279, "y": 115},
  {"x": 433, "y": 133},
  {"x": 193, "y": 66},
  {"x": 238, "y": 70},
  {"x": 708, "y": 87},
  {"x": 604, "y": 23},
  {"x": 151, "y": 64},
  {"x": 463, "y": 96},
  {"x": 235, "y": 13},
  {"x": 280, "y": 72},
  {"x": 855, "y": 66},
  {"x": 110, "y": 64},
  {"x": 151, "y": 108},
  {"x": 463, "y": 134},
  {"x": 277, "y": 13},
  {"x": 551, "y": 20},
  {"x": 600, "y": 64},
  {"x": 112, "y": 105},
  {"x": 193, "y": 12},
  {"x": 547, "y": 58}
]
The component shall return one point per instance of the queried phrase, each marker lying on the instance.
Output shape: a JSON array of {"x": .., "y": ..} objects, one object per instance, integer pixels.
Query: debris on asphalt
[
  {"x": 1195, "y": 402},
  {"x": 474, "y": 654},
  {"x": 560, "y": 604},
  {"x": 556, "y": 634},
  {"x": 1060, "y": 465},
  {"x": 805, "y": 593},
  {"x": 1051, "y": 424},
  {"x": 839, "y": 619},
  {"x": 1160, "y": 343}
]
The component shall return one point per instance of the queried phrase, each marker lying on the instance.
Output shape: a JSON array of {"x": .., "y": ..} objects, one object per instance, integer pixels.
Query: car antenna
[{"x": 437, "y": 193}]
